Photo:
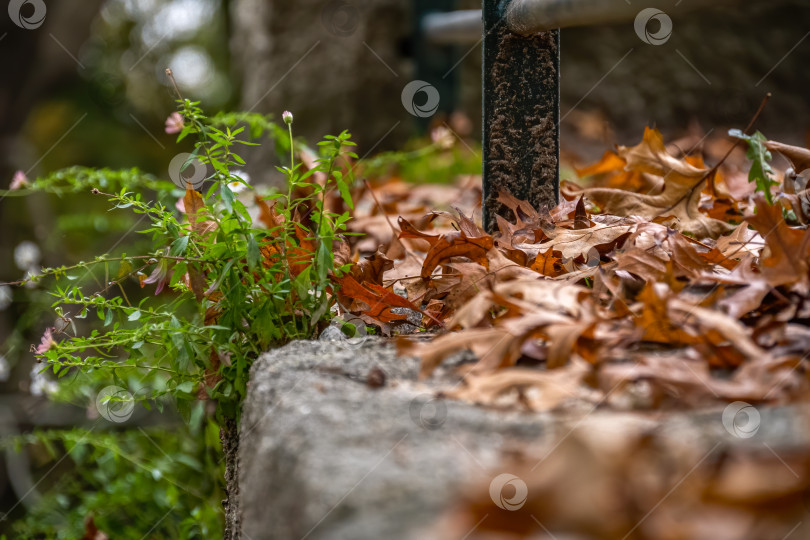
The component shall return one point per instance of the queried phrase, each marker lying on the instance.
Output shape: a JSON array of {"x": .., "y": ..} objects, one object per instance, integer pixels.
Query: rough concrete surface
[
  {"x": 342, "y": 442},
  {"x": 325, "y": 455}
]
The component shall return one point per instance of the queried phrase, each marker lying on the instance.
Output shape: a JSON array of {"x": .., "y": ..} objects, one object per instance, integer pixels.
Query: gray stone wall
[
  {"x": 715, "y": 68},
  {"x": 340, "y": 440}
]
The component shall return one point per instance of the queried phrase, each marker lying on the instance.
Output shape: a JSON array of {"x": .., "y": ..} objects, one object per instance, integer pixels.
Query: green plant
[
  {"x": 759, "y": 155},
  {"x": 232, "y": 278},
  {"x": 439, "y": 162},
  {"x": 159, "y": 480},
  {"x": 232, "y": 275},
  {"x": 238, "y": 288}
]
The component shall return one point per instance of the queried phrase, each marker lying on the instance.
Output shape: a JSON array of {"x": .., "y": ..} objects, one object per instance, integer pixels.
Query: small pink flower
[
  {"x": 174, "y": 123},
  {"x": 287, "y": 117},
  {"x": 19, "y": 181},
  {"x": 160, "y": 276},
  {"x": 442, "y": 137},
  {"x": 47, "y": 342}
]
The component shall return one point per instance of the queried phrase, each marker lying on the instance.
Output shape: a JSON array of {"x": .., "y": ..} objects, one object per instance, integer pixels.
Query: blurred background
[{"x": 83, "y": 84}]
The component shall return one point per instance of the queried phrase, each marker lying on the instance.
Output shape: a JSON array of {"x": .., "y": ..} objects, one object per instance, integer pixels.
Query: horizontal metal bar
[
  {"x": 529, "y": 16},
  {"x": 454, "y": 27}
]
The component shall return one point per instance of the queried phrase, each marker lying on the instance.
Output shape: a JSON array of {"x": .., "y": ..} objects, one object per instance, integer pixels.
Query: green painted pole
[{"x": 521, "y": 112}]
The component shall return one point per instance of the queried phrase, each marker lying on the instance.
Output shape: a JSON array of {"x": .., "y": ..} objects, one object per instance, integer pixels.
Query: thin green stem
[
  {"x": 116, "y": 365},
  {"x": 292, "y": 148},
  {"x": 64, "y": 269}
]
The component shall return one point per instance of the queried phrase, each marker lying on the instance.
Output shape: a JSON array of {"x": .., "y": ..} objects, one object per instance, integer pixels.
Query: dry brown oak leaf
[{"x": 680, "y": 197}]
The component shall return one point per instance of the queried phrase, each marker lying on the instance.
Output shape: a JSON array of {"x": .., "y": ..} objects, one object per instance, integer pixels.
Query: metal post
[{"x": 521, "y": 114}]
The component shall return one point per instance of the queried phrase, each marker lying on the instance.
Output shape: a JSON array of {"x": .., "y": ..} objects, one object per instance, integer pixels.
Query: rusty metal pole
[{"x": 521, "y": 113}]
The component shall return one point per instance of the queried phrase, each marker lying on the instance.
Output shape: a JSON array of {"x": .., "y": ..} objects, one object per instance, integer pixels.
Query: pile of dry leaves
[
  {"x": 662, "y": 283},
  {"x": 634, "y": 485},
  {"x": 658, "y": 284}
]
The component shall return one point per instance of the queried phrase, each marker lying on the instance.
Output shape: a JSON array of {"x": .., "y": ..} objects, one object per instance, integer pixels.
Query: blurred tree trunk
[
  {"x": 334, "y": 64},
  {"x": 35, "y": 62}
]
